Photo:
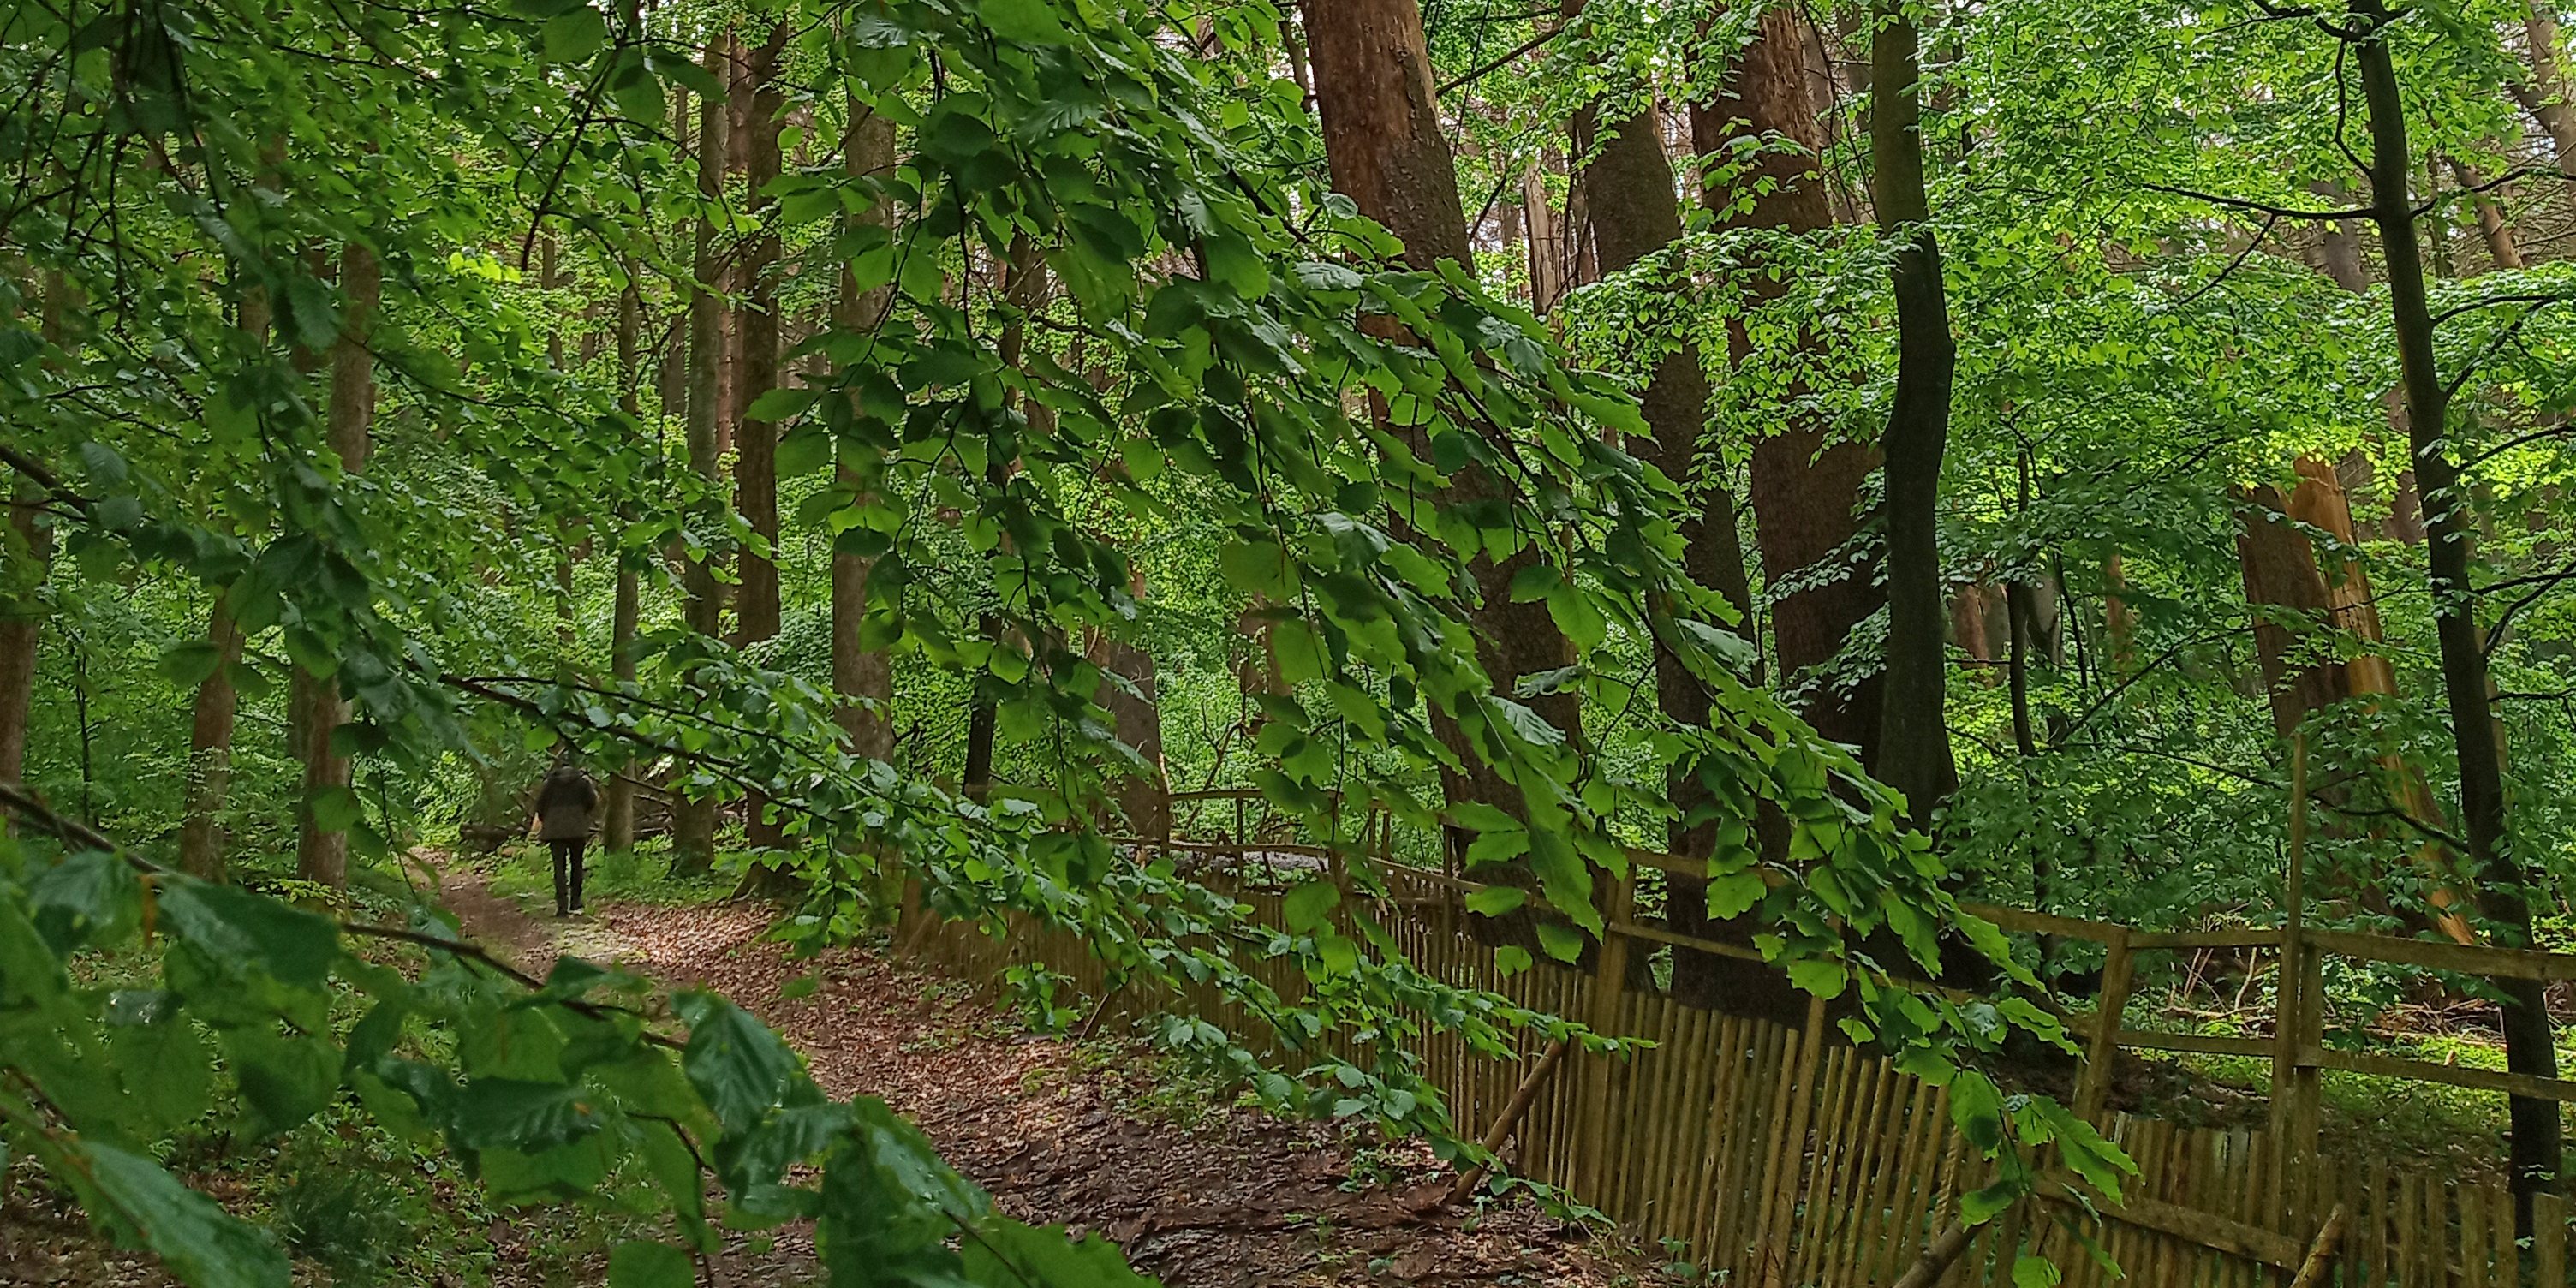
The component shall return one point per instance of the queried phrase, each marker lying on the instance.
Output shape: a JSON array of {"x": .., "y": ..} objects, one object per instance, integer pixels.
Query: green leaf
[
  {"x": 1819, "y": 976},
  {"x": 638, "y": 1264},
  {"x": 233, "y": 925},
  {"x": 2035, "y": 1272},
  {"x": 783, "y": 404},
  {"x": 509, "y": 1113},
  {"x": 188, "y": 662},
  {"x": 1306, "y": 907},
  {"x": 573, "y": 36},
  {"x": 283, "y": 1080},
  {"x": 1024, "y": 22},
  {"x": 1300, "y": 654},
  {"x": 803, "y": 450},
  {"x": 735, "y": 1061},
  {"x": 1563, "y": 943},
  {"x": 202, "y": 1244},
  {"x": 1980, "y": 1206},
  {"x": 167, "y": 1070},
  {"x": 1494, "y": 901},
  {"x": 1734, "y": 894},
  {"x": 1511, "y": 959}
]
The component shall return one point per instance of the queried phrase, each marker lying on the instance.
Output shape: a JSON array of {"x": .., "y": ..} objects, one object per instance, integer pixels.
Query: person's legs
[
  {"x": 575, "y": 848},
  {"x": 562, "y": 852}
]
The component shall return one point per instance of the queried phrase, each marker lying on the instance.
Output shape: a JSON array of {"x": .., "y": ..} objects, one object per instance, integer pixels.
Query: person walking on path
[{"x": 566, "y": 809}]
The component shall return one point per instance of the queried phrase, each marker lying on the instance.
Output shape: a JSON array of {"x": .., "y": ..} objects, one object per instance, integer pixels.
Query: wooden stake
[
  {"x": 1501, "y": 1132},
  {"x": 2102, "y": 1053}
]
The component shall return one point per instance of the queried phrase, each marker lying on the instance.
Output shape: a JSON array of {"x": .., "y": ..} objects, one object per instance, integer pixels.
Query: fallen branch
[{"x": 2321, "y": 1254}]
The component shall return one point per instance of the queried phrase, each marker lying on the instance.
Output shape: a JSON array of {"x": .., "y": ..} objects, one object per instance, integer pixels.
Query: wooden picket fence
[{"x": 1779, "y": 1156}]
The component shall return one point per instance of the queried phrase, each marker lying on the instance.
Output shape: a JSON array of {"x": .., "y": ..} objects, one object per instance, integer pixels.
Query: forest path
[{"x": 1200, "y": 1193}]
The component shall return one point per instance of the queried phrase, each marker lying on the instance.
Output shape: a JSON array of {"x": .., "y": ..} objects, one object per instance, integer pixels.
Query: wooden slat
[
  {"x": 2512, "y": 1084},
  {"x": 2466, "y": 959},
  {"x": 2207, "y": 1229}
]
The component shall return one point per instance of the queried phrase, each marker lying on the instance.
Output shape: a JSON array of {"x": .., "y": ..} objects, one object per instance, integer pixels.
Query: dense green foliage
[{"x": 1226, "y": 431}]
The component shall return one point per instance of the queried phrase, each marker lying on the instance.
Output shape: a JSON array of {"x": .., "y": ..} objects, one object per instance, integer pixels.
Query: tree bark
[
  {"x": 693, "y": 822},
  {"x": 321, "y": 854},
  {"x": 1386, "y": 147},
  {"x": 1914, "y": 735},
  {"x": 756, "y": 440},
  {"x": 2503, "y": 249},
  {"x": 1024, "y": 290},
  {"x": 1806, "y": 486},
  {"x": 862, "y": 677},
  {"x": 30, "y": 550},
  {"x": 2529, "y": 1049},
  {"x": 210, "y": 751},
  {"x": 2545, "y": 94},
  {"x": 617, "y": 824}
]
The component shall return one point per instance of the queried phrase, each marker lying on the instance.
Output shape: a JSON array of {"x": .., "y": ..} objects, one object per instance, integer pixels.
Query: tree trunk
[
  {"x": 1914, "y": 736},
  {"x": 2529, "y": 1049},
  {"x": 322, "y": 855},
  {"x": 1547, "y": 258},
  {"x": 617, "y": 825},
  {"x": 2545, "y": 94},
  {"x": 1137, "y": 718},
  {"x": 693, "y": 822},
  {"x": 1806, "y": 488},
  {"x": 756, "y": 440},
  {"x": 30, "y": 551},
  {"x": 1388, "y": 152},
  {"x": 210, "y": 751},
  {"x": 2282, "y": 581},
  {"x": 1024, "y": 291},
  {"x": 2502, "y": 248},
  {"x": 862, "y": 677}
]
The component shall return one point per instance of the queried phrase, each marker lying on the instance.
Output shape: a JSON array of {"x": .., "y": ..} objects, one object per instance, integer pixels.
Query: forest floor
[{"x": 1091, "y": 1136}]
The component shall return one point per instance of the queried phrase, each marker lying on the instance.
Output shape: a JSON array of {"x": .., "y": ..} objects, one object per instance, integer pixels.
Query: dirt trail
[{"x": 1198, "y": 1194}]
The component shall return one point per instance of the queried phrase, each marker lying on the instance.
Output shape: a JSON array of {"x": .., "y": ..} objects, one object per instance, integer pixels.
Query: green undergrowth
[{"x": 524, "y": 870}]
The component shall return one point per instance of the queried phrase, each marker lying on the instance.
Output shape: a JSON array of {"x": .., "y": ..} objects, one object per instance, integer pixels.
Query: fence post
[
  {"x": 1609, "y": 981},
  {"x": 2298, "y": 1019},
  {"x": 2102, "y": 1052}
]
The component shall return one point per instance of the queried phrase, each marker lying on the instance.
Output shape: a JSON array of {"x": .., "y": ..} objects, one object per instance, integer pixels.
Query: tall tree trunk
[
  {"x": 756, "y": 440},
  {"x": 863, "y": 678},
  {"x": 2529, "y": 1049},
  {"x": 617, "y": 825},
  {"x": 1806, "y": 484},
  {"x": 1024, "y": 291},
  {"x": 1547, "y": 258},
  {"x": 693, "y": 822},
  {"x": 2545, "y": 94},
  {"x": 1914, "y": 735},
  {"x": 30, "y": 554},
  {"x": 26, "y": 560},
  {"x": 1388, "y": 152},
  {"x": 322, "y": 854}
]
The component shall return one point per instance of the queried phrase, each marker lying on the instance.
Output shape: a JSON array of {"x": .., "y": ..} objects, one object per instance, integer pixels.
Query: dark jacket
[{"x": 567, "y": 805}]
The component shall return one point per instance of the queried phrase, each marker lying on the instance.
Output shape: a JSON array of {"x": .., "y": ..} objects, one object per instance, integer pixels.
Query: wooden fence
[{"x": 1780, "y": 1156}]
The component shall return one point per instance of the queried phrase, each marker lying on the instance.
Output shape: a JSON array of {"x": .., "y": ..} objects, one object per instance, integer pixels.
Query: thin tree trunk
[
  {"x": 1024, "y": 292},
  {"x": 756, "y": 440},
  {"x": 2502, "y": 248},
  {"x": 617, "y": 826},
  {"x": 1388, "y": 152},
  {"x": 2529, "y": 1049},
  {"x": 321, "y": 854},
  {"x": 693, "y": 822},
  {"x": 1914, "y": 735}
]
